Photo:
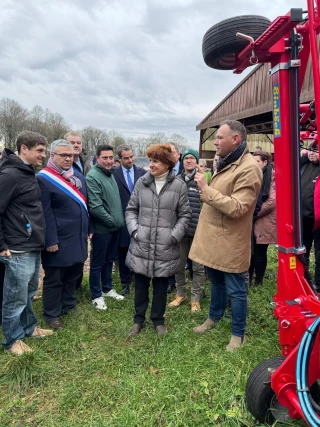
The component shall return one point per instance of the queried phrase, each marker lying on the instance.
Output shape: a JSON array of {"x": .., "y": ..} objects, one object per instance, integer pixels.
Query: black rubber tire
[
  {"x": 259, "y": 393},
  {"x": 220, "y": 46}
]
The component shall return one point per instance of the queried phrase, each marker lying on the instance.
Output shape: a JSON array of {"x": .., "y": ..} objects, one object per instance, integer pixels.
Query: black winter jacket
[
  {"x": 20, "y": 204},
  {"x": 309, "y": 173},
  {"x": 195, "y": 204}
]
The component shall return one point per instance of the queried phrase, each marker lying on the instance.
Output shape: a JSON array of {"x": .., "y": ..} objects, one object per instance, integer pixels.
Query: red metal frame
[{"x": 296, "y": 304}]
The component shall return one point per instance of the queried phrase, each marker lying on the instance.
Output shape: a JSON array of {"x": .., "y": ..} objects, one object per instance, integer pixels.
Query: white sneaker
[
  {"x": 113, "y": 294},
  {"x": 99, "y": 303}
]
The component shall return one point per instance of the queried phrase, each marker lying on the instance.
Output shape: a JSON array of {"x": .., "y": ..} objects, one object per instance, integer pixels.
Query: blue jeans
[
  {"x": 20, "y": 286},
  {"x": 104, "y": 248},
  {"x": 222, "y": 285}
]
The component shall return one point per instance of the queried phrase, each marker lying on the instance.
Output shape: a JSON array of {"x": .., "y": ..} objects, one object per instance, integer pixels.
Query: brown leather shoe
[
  {"x": 161, "y": 329},
  {"x": 56, "y": 324},
  {"x": 135, "y": 329}
]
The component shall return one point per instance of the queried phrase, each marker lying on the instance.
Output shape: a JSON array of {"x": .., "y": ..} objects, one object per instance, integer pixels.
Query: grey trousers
[{"x": 198, "y": 273}]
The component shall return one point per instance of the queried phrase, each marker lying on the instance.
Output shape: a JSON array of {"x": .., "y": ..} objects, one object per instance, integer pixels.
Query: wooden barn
[{"x": 249, "y": 102}]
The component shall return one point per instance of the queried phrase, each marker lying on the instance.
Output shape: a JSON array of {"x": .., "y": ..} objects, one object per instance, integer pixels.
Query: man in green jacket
[{"x": 107, "y": 218}]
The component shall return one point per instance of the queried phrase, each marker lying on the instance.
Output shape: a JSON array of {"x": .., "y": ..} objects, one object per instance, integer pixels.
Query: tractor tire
[
  {"x": 261, "y": 399},
  {"x": 220, "y": 46}
]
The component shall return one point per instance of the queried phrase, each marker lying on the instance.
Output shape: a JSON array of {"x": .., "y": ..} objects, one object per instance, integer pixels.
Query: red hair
[{"x": 163, "y": 153}]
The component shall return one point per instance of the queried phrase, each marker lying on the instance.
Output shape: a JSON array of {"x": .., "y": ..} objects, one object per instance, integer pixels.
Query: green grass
[{"x": 89, "y": 374}]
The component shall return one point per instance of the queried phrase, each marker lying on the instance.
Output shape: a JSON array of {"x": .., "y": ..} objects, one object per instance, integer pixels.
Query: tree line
[{"x": 14, "y": 118}]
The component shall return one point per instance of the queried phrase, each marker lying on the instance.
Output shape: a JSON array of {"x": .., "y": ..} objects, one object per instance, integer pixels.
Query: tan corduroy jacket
[{"x": 223, "y": 236}]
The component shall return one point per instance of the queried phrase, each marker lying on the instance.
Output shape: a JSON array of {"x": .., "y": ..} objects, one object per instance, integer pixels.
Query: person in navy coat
[
  {"x": 63, "y": 194},
  {"x": 126, "y": 175}
]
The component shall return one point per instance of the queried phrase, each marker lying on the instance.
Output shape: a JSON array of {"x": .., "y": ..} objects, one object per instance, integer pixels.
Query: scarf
[
  {"x": 231, "y": 157},
  {"x": 67, "y": 175},
  {"x": 266, "y": 182},
  {"x": 188, "y": 177}
]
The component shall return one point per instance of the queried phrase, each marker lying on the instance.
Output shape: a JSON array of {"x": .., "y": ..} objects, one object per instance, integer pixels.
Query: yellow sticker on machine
[{"x": 293, "y": 262}]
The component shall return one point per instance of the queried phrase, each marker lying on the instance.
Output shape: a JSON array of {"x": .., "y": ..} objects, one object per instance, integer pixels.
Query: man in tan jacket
[{"x": 223, "y": 237}]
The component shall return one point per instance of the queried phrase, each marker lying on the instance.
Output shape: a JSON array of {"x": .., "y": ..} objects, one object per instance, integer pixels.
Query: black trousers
[
  {"x": 259, "y": 261},
  {"x": 125, "y": 273},
  {"x": 310, "y": 236},
  {"x": 2, "y": 272},
  {"x": 141, "y": 299},
  {"x": 79, "y": 281},
  {"x": 59, "y": 286}
]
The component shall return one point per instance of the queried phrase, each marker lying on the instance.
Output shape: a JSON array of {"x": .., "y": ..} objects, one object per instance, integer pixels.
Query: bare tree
[
  {"x": 92, "y": 137},
  {"x": 55, "y": 126},
  {"x": 13, "y": 118},
  {"x": 181, "y": 141},
  {"x": 116, "y": 139},
  {"x": 36, "y": 120}
]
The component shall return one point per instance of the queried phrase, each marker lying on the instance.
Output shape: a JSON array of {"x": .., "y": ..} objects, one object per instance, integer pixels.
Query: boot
[
  {"x": 177, "y": 301},
  {"x": 195, "y": 306},
  {"x": 235, "y": 342},
  {"x": 205, "y": 327}
]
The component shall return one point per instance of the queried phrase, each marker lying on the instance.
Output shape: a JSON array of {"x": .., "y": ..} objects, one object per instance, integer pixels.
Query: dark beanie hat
[{"x": 191, "y": 151}]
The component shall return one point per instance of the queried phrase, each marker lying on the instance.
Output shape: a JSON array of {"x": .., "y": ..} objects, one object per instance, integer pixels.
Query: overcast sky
[{"x": 135, "y": 66}]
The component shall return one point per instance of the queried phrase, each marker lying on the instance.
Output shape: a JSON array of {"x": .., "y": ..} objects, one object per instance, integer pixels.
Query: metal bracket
[
  {"x": 296, "y": 251},
  {"x": 285, "y": 66}
]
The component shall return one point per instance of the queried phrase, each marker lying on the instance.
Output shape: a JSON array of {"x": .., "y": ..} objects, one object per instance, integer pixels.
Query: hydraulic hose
[{"x": 303, "y": 391}]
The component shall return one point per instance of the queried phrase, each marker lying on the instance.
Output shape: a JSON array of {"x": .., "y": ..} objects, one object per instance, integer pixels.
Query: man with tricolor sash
[{"x": 64, "y": 200}]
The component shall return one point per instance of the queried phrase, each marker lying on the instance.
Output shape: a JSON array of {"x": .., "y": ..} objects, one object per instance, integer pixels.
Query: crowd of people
[{"x": 218, "y": 222}]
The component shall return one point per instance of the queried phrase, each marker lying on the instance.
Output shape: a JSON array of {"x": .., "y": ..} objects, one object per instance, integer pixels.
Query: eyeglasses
[
  {"x": 65, "y": 156},
  {"x": 190, "y": 158}
]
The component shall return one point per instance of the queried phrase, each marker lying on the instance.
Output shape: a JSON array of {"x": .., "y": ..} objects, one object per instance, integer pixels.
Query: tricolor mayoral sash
[{"x": 64, "y": 186}]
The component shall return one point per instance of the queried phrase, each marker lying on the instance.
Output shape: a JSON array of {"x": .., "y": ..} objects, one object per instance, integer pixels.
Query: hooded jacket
[
  {"x": 158, "y": 222},
  {"x": 20, "y": 204}
]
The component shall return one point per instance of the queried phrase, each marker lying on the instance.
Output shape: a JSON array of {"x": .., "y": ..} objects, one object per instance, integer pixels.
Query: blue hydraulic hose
[{"x": 301, "y": 375}]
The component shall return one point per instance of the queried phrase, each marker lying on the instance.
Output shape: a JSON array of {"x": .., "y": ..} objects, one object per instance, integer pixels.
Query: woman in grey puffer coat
[{"x": 157, "y": 218}]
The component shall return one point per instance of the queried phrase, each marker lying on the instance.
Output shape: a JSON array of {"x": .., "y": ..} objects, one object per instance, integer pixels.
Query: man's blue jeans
[
  {"x": 20, "y": 286},
  {"x": 222, "y": 285},
  {"x": 104, "y": 248}
]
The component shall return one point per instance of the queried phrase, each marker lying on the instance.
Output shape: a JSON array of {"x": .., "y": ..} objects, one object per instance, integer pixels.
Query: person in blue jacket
[{"x": 64, "y": 201}]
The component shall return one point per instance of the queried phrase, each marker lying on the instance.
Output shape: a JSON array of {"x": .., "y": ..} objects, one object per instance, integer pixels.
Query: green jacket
[{"x": 104, "y": 201}]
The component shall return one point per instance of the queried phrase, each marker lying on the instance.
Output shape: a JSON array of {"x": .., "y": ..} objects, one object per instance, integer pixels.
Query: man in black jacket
[
  {"x": 22, "y": 235},
  {"x": 310, "y": 170},
  {"x": 190, "y": 160}
]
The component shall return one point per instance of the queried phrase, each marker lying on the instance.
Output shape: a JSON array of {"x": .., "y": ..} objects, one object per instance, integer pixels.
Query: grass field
[{"x": 89, "y": 374}]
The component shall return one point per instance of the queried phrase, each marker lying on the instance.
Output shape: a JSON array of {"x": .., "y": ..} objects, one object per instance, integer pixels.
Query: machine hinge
[
  {"x": 285, "y": 66},
  {"x": 296, "y": 251}
]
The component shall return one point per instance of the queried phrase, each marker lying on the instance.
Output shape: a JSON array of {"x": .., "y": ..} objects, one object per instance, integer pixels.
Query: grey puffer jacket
[{"x": 158, "y": 223}]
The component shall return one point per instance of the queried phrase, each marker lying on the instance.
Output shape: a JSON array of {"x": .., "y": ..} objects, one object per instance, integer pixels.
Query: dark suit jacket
[
  {"x": 67, "y": 225},
  {"x": 124, "y": 239}
]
